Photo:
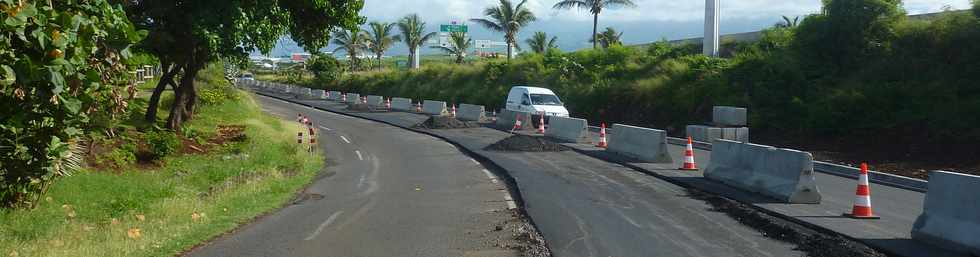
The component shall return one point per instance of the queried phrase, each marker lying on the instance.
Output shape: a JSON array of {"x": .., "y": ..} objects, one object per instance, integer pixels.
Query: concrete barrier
[
  {"x": 704, "y": 133},
  {"x": 334, "y": 95},
  {"x": 471, "y": 112},
  {"x": 402, "y": 104},
  {"x": 319, "y": 94},
  {"x": 376, "y": 101},
  {"x": 740, "y": 134},
  {"x": 568, "y": 129},
  {"x": 645, "y": 144},
  {"x": 353, "y": 98},
  {"x": 507, "y": 118},
  {"x": 951, "y": 214},
  {"x": 784, "y": 174},
  {"x": 431, "y": 107},
  {"x": 306, "y": 92},
  {"x": 729, "y": 116}
]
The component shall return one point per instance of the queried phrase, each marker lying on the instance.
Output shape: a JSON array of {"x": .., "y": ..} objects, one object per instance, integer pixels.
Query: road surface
[{"x": 385, "y": 192}]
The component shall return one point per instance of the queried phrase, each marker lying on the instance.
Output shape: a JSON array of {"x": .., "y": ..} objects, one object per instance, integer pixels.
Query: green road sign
[{"x": 453, "y": 28}]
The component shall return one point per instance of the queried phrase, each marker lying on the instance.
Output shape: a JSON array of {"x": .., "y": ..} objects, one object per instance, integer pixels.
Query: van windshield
[{"x": 543, "y": 99}]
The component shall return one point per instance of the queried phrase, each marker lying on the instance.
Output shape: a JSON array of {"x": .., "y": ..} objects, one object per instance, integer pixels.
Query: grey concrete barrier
[
  {"x": 334, "y": 95},
  {"x": 951, "y": 214},
  {"x": 740, "y": 134},
  {"x": 784, "y": 174},
  {"x": 319, "y": 94},
  {"x": 568, "y": 129},
  {"x": 645, "y": 144},
  {"x": 376, "y": 101},
  {"x": 431, "y": 107},
  {"x": 353, "y": 98},
  {"x": 306, "y": 92},
  {"x": 401, "y": 104},
  {"x": 729, "y": 116},
  {"x": 507, "y": 118},
  {"x": 704, "y": 133},
  {"x": 471, "y": 112}
]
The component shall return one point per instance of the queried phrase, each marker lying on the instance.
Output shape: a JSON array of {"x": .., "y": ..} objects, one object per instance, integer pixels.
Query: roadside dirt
[
  {"x": 525, "y": 143},
  {"x": 809, "y": 241},
  {"x": 904, "y": 156},
  {"x": 444, "y": 122}
]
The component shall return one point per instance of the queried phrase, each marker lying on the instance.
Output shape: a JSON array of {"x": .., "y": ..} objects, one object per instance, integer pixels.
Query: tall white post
[{"x": 712, "y": 9}]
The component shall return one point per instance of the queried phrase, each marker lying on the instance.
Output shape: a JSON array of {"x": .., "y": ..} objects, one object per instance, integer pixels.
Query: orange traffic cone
[
  {"x": 541, "y": 124},
  {"x": 418, "y": 108},
  {"x": 493, "y": 116},
  {"x": 299, "y": 138},
  {"x": 517, "y": 124},
  {"x": 862, "y": 204},
  {"x": 602, "y": 137},
  {"x": 343, "y": 98},
  {"x": 388, "y": 104},
  {"x": 454, "y": 111},
  {"x": 689, "y": 156}
]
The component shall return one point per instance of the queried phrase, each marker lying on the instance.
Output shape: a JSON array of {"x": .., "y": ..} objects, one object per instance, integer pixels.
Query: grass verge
[{"x": 166, "y": 210}]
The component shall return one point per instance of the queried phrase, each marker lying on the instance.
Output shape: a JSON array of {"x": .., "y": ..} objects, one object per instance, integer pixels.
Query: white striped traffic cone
[
  {"x": 602, "y": 137},
  {"x": 517, "y": 124},
  {"x": 418, "y": 108},
  {"x": 388, "y": 104},
  {"x": 541, "y": 124},
  {"x": 343, "y": 98},
  {"x": 454, "y": 111},
  {"x": 689, "y": 163},
  {"x": 862, "y": 203}
]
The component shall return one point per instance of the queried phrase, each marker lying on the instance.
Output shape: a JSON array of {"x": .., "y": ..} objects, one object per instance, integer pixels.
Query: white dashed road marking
[
  {"x": 323, "y": 225},
  {"x": 345, "y": 139},
  {"x": 325, "y": 128},
  {"x": 359, "y": 157}
]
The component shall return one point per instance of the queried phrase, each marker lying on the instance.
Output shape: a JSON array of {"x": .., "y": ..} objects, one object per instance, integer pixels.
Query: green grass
[{"x": 92, "y": 212}]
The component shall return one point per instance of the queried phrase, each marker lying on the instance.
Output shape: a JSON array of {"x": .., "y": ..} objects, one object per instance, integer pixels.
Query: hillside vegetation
[{"x": 871, "y": 77}]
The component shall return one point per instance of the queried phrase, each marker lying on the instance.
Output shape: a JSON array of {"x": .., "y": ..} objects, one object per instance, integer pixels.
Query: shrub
[{"x": 162, "y": 143}]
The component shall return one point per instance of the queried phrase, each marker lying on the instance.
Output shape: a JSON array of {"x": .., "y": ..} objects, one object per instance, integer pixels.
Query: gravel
[{"x": 525, "y": 143}]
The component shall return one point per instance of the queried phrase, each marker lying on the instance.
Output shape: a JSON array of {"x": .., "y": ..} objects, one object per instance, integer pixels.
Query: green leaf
[
  {"x": 73, "y": 105},
  {"x": 39, "y": 35},
  {"x": 9, "y": 76},
  {"x": 57, "y": 80}
]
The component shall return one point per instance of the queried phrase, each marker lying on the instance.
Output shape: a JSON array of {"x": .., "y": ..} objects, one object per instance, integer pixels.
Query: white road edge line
[
  {"x": 323, "y": 225},
  {"x": 474, "y": 161},
  {"x": 359, "y": 157},
  {"x": 345, "y": 139},
  {"x": 325, "y": 128},
  {"x": 487, "y": 172}
]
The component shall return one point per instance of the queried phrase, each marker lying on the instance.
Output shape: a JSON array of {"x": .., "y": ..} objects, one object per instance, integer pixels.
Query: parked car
[
  {"x": 535, "y": 100},
  {"x": 247, "y": 76}
]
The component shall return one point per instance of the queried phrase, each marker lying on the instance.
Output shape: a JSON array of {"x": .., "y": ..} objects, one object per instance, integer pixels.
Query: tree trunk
[
  {"x": 379, "y": 61},
  {"x": 510, "y": 50},
  {"x": 595, "y": 30},
  {"x": 181, "y": 93},
  {"x": 191, "y": 101},
  {"x": 167, "y": 78}
]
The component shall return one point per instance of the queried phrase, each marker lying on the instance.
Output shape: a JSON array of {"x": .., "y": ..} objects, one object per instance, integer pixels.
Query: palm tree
[
  {"x": 352, "y": 42},
  {"x": 458, "y": 43},
  {"x": 609, "y": 37},
  {"x": 380, "y": 39},
  {"x": 412, "y": 29},
  {"x": 788, "y": 23},
  {"x": 508, "y": 19},
  {"x": 539, "y": 43},
  {"x": 595, "y": 7}
]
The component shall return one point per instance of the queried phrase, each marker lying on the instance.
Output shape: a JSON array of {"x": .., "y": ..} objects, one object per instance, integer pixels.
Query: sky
[{"x": 651, "y": 20}]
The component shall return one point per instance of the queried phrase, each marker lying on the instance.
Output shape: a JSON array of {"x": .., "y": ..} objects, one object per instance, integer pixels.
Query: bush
[
  {"x": 118, "y": 158},
  {"x": 162, "y": 143}
]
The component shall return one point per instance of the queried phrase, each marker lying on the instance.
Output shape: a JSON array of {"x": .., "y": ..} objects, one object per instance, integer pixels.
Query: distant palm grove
[{"x": 869, "y": 76}]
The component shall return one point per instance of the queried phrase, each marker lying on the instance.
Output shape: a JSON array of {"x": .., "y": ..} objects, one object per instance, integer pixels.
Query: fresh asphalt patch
[
  {"x": 525, "y": 143},
  {"x": 813, "y": 243}
]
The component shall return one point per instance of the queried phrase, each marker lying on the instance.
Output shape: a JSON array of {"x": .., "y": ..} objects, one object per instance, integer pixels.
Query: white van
[{"x": 535, "y": 100}]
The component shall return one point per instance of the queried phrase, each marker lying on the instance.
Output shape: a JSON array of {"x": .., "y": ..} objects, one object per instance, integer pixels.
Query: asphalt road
[
  {"x": 589, "y": 207},
  {"x": 385, "y": 192}
]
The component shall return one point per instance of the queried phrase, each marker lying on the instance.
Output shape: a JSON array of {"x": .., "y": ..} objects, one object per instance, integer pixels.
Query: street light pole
[{"x": 712, "y": 11}]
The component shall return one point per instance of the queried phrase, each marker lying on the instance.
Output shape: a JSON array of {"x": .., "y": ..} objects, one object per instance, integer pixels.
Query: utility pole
[{"x": 712, "y": 11}]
